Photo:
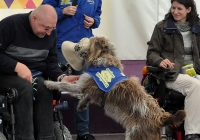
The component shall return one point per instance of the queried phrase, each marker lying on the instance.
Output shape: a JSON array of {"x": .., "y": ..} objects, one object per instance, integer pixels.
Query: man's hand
[
  {"x": 70, "y": 79},
  {"x": 23, "y": 71},
  {"x": 88, "y": 22},
  {"x": 166, "y": 64},
  {"x": 69, "y": 10}
]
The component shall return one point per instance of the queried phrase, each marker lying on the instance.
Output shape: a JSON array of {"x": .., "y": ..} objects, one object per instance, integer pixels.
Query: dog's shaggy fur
[{"x": 127, "y": 103}]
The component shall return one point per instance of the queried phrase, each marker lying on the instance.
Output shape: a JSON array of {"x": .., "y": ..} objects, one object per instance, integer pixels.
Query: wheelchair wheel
[
  {"x": 2, "y": 137},
  {"x": 58, "y": 132}
]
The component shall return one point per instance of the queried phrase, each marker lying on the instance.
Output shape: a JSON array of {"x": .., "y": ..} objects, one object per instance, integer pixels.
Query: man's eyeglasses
[
  {"x": 46, "y": 28},
  {"x": 49, "y": 28}
]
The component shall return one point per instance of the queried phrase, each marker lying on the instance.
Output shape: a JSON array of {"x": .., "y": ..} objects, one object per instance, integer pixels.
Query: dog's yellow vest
[{"x": 106, "y": 77}]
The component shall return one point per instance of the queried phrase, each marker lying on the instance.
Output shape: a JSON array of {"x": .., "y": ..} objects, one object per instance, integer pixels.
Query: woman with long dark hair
[{"x": 175, "y": 43}]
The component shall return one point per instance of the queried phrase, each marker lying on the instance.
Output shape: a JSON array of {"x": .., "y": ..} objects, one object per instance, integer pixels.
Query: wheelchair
[
  {"x": 7, "y": 117},
  {"x": 7, "y": 121},
  {"x": 154, "y": 83}
]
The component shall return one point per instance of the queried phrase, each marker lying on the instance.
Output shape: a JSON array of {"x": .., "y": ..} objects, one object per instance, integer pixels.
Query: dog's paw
[
  {"x": 79, "y": 96},
  {"x": 50, "y": 84}
]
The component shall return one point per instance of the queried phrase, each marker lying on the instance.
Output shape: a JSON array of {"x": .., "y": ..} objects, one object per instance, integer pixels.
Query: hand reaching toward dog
[{"x": 70, "y": 79}]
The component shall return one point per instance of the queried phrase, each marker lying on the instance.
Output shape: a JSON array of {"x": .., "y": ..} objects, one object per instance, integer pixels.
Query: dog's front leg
[
  {"x": 63, "y": 86},
  {"x": 84, "y": 102}
]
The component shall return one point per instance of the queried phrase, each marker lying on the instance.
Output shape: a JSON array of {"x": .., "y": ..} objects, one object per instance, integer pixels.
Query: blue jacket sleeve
[
  {"x": 97, "y": 18},
  {"x": 55, "y": 4}
]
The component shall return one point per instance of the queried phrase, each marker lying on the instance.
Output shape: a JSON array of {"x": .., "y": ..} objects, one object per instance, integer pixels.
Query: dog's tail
[{"x": 175, "y": 119}]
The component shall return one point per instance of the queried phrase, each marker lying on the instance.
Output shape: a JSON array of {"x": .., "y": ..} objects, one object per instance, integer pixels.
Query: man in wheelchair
[
  {"x": 28, "y": 42},
  {"x": 174, "y": 44}
]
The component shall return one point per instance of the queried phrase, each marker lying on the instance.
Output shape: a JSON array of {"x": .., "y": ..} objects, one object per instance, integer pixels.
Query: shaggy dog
[{"x": 127, "y": 102}]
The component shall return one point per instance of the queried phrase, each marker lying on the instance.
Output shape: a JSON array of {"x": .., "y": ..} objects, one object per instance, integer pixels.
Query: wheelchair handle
[{"x": 62, "y": 106}]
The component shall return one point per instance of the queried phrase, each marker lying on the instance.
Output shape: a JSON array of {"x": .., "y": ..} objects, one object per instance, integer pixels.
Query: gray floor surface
[{"x": 106, "y": 136}]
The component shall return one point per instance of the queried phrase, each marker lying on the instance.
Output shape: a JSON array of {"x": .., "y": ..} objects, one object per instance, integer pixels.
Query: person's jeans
[
  {"x": 33, "y": 119},
  {"x": 81, "y": 117}
]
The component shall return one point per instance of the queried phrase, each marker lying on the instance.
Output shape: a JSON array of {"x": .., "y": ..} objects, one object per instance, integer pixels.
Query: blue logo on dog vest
[{"x": 106, "y": 77}]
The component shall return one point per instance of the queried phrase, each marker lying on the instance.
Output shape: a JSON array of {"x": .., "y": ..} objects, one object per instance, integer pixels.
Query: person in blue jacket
[{"x": 76, "y": 19}]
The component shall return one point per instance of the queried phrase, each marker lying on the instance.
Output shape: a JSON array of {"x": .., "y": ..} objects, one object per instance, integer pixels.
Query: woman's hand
[{"x": 166, "y": 64}]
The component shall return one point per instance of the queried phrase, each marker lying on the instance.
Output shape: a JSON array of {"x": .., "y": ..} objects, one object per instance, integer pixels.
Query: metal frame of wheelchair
[
  {"x": 170, "y": 100},
  {"x": 7, "y": 98}
]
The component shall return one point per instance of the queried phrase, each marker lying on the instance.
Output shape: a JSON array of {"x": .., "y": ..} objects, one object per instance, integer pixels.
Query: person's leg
[
  {"x": 23, "y": 106},
  {"x": 43, "y": 112},
  {"x": 60, "y": 57},
  {"x": 81, "y": 120},
  {"x": 81, "y": 117},
  {"x": 189, "y": 87}
]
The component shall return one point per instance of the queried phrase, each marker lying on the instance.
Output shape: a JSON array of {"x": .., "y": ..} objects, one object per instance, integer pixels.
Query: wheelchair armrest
[
  {"x": 176, "y": 95},
  {"x": 157, "y": 69},
  {"x": 161, "y": 73}
]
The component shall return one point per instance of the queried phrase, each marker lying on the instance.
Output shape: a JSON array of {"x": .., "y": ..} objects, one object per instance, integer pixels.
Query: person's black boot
[
  {"x": 86, "y": 137},
  {"x": 191, "y": 137}
]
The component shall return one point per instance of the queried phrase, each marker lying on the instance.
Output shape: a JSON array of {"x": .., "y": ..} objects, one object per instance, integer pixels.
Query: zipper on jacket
[{"x": 172, "y": 36}]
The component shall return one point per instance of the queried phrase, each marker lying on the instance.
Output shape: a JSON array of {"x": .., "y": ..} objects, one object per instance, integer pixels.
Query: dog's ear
[
  {"x": 105, "y": 45},
  {"x": 100, "y": 42},
  {"x": 100, "y": 45},
  {"x": 95, "y": 49}
]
